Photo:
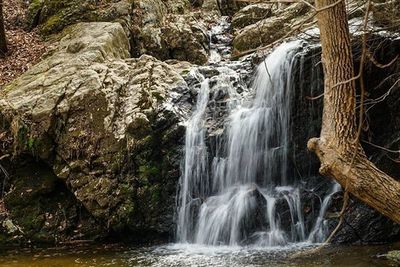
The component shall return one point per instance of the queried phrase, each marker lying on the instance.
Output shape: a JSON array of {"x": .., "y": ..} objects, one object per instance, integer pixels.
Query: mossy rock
[
  {"x": 52, "y": 16},
  {"x": 115, "y": 144},
  {"x": 43, "y": 209}
]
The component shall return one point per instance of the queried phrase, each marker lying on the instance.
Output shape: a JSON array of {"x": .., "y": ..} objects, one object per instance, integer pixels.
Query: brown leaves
[{"x": 25, "y": 48}]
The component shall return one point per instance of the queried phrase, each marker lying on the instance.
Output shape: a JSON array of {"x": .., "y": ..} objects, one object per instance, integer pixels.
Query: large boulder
[
  {"x": 186, "y": 39},
  {"x": 251, "y": 14},
  {"x": 54, "y": 15},
  {"x": 169, "y": 31},
  {"x": 103, "y": 125},
  {"x": 270, "y": 29}
]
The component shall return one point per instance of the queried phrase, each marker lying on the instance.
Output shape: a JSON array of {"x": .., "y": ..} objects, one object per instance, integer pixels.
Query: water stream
[{"x": 241, "y": 191}]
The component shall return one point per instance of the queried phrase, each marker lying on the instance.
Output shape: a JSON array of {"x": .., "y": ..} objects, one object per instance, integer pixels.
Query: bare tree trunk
[
  {"x": 338, "y": 149},
  {"x": 3, "y": 42}
]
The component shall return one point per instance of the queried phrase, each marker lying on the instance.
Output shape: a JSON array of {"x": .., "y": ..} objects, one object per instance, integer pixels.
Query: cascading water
[{"x": 242, "y": 192}]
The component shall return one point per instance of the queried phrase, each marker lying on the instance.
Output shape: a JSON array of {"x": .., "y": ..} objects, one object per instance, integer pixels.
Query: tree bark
[
  {"x": 3, "y": 41},
  {"x": 338, "y": 149}
]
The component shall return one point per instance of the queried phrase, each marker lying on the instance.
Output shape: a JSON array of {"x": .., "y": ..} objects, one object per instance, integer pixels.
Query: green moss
[
  {"x": 185, "y": 72},
  {"x": 149, "y": 172},
  {"x": 54, "y": 15},
  {"x": 23, "y": 139},
  {"x": 33, "y": 13},
  {"x": 32, "y": 145},
  {"x": 125, "y": 189},
  {"x": 52, "y": 24},
  {"x": 155, "y": 194}
]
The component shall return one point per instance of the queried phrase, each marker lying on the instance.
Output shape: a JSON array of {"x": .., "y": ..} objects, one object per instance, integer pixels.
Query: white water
[
  {"x": 196, "y": 166},
  {"x": 244, "y": 195}
]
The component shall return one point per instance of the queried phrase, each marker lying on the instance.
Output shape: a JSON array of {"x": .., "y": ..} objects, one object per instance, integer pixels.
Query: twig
[
  {"x": 4, "y": 156},
  {"x": 341, "y": 216},
  {"x": 376, "y": 63},
  {"x": 381, "y": 147},
  {"x": 362, "y": 84},
  {"x": 315, "y": 97}
]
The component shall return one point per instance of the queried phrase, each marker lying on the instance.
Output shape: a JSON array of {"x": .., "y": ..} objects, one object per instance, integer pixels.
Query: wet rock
[
  {"x": 210, "y": 5},
  {"x": 178, "y": 6},
  {"x": 42, "y": 209},
  {"x": 147, "y": 17},
  {"x": 105, "y": 126},
  {"x": 362, "y": 224}
]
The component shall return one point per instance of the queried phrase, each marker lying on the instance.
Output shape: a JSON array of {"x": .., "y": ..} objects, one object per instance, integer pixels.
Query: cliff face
[{"x": 92, "y": 136}]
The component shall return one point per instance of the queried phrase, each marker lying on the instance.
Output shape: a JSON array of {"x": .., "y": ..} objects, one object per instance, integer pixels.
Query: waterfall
[
  {"x": 243, "y": 193},
  {"x": 195, "y": 175}
]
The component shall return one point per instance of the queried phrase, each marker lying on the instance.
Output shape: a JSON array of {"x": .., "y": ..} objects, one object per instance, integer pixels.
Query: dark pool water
[{"x": 191, "y": 255}]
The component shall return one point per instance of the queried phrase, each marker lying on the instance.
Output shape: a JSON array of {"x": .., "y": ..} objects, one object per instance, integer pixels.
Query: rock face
[
  {"x": 163, "y": 29},
  {"x": 362, "y": 224},
  {"x": 169, "y": 31},
  {"x": 269, "y": 28},
  {"x": 101, "y": 126}
]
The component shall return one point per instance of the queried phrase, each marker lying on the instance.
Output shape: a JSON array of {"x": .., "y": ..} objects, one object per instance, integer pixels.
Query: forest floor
[{"x": 25, "y": 47}]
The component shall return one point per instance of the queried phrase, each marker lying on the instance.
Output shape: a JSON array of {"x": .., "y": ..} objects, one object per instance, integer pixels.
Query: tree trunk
[
  {"x": 338, "y": 149},
  {"x": 3, "y": 42}
]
